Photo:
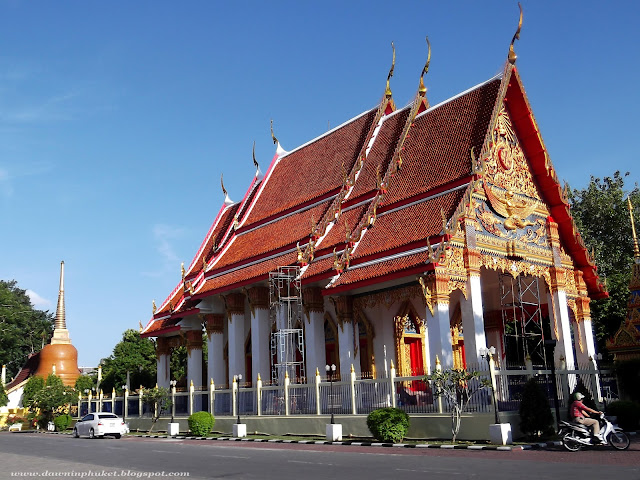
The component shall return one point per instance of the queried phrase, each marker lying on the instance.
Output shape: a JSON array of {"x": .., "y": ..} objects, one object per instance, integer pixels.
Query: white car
[{"x": 99, "y": 424}]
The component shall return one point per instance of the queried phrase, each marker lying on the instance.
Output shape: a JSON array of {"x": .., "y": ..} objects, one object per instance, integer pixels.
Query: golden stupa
[{"x": 60, "y": 357}]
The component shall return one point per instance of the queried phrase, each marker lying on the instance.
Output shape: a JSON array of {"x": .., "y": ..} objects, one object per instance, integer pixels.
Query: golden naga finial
[
  {"x": 224, "y": 190},
  {"x": 275, "y": 140},
  {"x": 422, "y": 90},
  {"x": 255, "y": 162},
  {"x": 347, "y": 232},
  {"x": 387, "y": 91},
  {"x": 636, "y": 249},
  {"x": 183, "y": 272},
  {"x": 140, "y": 327},
  {"x": 516, "y": 36},
  {"x": 153, "y": 307}
]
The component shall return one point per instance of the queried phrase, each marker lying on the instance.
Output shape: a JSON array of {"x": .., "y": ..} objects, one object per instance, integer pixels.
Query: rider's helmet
[{"x": 579, "y": 396}]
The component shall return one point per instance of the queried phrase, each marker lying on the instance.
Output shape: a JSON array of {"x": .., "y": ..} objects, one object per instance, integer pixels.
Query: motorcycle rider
[{"x": 580, "y": 414}]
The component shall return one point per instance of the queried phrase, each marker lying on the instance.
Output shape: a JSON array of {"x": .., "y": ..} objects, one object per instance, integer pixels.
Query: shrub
[
  {"x": 62, "y": 422},
  {"x": 388, "y": 424},
  {"x": 535, "y": 412},
  {"x": 201, "y": 423},
  {"x": 628, "y": 414}
]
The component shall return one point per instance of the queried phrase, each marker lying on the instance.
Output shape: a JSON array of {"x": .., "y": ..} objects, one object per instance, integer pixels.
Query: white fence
[{"x": 361, "y": 396}]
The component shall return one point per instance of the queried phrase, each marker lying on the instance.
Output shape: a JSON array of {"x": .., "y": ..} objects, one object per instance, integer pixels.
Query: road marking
[
  {"x": 227, "y": 456},
  {"x": 163, "y": 451},
  {"x": 310, "y": 463},
  {"x": 443, "y": 472}
]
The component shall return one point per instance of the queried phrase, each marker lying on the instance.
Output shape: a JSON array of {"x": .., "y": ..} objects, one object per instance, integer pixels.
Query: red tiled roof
[
  {"x": 381, "y": 152},
  {"x": 408, "y": 224},
  {"x": 30, "y": 367},
  {"x": 338, "y": 233},
  {"x": 157, "y": 326},
  {"x": 375, "y": 272},
  {"x": 312, "y": 170},
  {"x": 237, "y": 278},
  {"x": 267, "y": 238},
  {"x": 437, "y": 150}
]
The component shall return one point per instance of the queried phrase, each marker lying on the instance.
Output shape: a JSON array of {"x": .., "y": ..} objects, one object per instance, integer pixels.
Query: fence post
[
  {"x": 354, "y": 409},
  {"x": 79, "y": 404},
  {"x": 529, "y": 366},
  {"x": 392, "y": 386},
  {"x": 259, "y": 395},
  {"x": 318, "y": 404},
  {"x": 140, "y": 405},
  {"x": 191, "y": 393},
  {"x": 173, "y": 401},
  {"x": 100, "y": 398},
  {"x": 89, "y": 398},
  {"x": 593, "y": 377},
  {"x": 212, "y": 397},
  {"x": 439, "y": 369},
  {"x": 286, "y": 392},
  {"x": 234, "y": 397},
  {"x": 125, "y": 399},
  {"x": 564, "y": 382}
]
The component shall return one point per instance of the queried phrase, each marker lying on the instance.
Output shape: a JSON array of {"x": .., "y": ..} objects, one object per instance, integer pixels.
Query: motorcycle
[{"x": 576, "y": 436}]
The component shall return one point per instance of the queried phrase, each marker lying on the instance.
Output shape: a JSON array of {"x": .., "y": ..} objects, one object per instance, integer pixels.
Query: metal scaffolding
[
  {"x": 522, "y": 320},
  {"x": 287, "y": 341}
]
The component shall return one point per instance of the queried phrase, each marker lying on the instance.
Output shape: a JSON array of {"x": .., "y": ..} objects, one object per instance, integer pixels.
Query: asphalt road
[{"x": 61, "y": 456}]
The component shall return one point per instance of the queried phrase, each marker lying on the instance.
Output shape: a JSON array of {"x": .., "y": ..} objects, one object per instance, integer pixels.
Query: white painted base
[
  {"x": 173, "y": 429},
  {"x": 334, "y": 432},
  {"x": 239, "y": 430},
  {"x": 500, "y": 433}
]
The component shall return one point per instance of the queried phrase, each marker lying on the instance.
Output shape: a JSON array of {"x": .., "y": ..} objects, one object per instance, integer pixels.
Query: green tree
[
  {"x": 33, "y": 386},
  {"x": 4, "y": 399},
  {"x": 601, "y": 214},
  {"x": 457, "y": 387},
  {"x": 132, "y": 354},
  {"x": 158, "y": 401},
  {"x": 53, "y": 398},
  {"x": 535, "y": 412},
  {"x": 24, "y": 329},
  {"x": 84, "y": 382}
]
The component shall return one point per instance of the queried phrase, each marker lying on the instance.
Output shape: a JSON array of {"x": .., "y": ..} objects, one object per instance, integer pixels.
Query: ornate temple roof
[{"x": 367, "y": 202}]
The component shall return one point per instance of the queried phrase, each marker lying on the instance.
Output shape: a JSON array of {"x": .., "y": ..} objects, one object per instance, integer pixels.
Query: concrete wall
[{"x": 422, "y": 427}]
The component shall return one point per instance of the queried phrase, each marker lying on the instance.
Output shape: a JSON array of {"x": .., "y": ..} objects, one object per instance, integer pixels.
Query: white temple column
[
  {"x": 194, "y": 358},
  {"x": 314, "y": 341},
  {"x": 472, "y": 310},
  {"x": 583, "y": 333},
  {"x": 163, "y": 357},
  {"x": 438, "y": 321},
  {"x": 260, "y": 334},
  {"x": 561, "y": 326},
  {"x": 347, "y": 337},
  {"x": 215, "y": 348},
  {"x": 236, "y": 334}
]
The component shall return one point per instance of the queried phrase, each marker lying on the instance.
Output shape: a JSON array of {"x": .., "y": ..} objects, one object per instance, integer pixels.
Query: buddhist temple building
[
  {"x": 404, "y": 236},
  {"x": 59, "y": 356},
  {"x": 625, "y": 344}
]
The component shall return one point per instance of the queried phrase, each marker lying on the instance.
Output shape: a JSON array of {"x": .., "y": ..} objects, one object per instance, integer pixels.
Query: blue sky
[{"x": 117, "y": 118}]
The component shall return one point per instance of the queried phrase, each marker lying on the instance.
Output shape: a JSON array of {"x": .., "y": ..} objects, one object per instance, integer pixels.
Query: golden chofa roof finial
[
  {"x": 227, "y": 200},
  {"x": 636, "y": 249},
  {"x": 273, "y": 137},
  {"x": 516, "y": 36},
  {"x": 253, "y": 153},
  {"x": 387, "y": 91},
  {"x": 422, "y": 90}
]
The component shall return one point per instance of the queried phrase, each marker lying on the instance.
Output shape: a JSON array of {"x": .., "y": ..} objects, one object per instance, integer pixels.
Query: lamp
[
  {"x": 173, "y": 386},
  {"x": 238, "y": 379},
  {"x": 488, "y": 353},
  {"x": 331, "y": 369}
]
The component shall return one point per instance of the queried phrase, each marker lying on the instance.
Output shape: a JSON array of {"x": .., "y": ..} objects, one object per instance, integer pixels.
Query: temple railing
[{"x": 360, "y": 396}]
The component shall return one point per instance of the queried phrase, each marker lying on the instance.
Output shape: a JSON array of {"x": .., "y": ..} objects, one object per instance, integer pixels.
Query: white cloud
[
  {"x": 37, "y": 301},
  {"x": 164, "y": 235}
]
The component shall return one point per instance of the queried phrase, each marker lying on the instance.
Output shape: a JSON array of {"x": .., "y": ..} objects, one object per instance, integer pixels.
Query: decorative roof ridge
[
  {"x": 461, "y": 94},
  {"x": 207, "y": 237},
  {"x": 328, "y": 132},
  {"x": 401, "y": 205}
]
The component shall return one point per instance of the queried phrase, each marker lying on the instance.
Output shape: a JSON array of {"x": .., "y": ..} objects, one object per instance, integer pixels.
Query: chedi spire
[{"x": 60, "y": 315}]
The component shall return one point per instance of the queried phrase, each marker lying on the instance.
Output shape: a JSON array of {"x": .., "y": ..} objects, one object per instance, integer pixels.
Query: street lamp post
[
  {"x": 488, "y": 353},
  {"x": 330, "y": 372},
  {"x": 550, "y": 342},
  {"x": 172, "y": 383},
  {"x": 238, "y": 379},
  {"x": 599, "y": 383},
  {"x": 124, "y": 403}
]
